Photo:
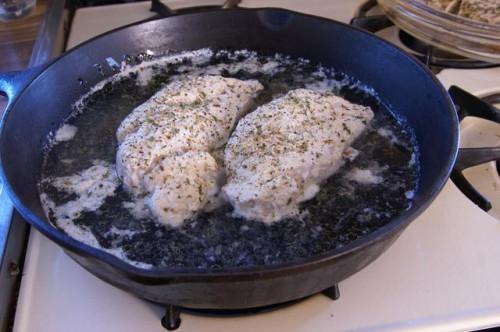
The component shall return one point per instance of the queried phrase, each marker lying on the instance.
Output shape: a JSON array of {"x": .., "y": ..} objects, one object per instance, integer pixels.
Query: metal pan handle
[
  {"x": 11, "y": 85},
  {"x": 13, "y": 82},
  {"x": 469, "y": 105}
]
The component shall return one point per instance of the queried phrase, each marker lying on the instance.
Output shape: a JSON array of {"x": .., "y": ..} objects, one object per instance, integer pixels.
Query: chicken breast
[
  {"x": 279, "y": 154},
  {"x": 487, "y": 11},
  {"x": 169, "y": 138},
  {"x": 180, "y": 186},
  {"x": 450, "y": 6}
]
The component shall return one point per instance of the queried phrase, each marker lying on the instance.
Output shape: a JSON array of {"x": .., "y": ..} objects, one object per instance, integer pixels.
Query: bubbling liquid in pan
[{"x": 82, "y": 196}]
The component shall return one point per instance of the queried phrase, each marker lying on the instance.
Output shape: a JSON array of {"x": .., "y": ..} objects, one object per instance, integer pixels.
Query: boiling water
[{"x": 364, "y": 195}]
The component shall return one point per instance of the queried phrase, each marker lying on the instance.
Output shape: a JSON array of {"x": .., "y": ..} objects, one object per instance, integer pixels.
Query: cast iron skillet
[{"x": 40, "y": 102}]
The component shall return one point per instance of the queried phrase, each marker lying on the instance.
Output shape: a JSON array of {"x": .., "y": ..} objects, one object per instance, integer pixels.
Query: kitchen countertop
[{"x": 17, "y": 38}]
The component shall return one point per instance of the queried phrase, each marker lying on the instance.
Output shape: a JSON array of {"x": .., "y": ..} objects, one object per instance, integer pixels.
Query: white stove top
[{"x": 440, "y": 275}]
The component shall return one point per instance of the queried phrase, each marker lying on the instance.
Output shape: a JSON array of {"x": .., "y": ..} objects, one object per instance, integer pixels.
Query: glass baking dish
[{"x": 456, "y": 34}]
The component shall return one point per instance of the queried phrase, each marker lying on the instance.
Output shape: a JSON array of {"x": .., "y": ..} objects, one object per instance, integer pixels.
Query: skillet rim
[{"x": 157, "y": 275}]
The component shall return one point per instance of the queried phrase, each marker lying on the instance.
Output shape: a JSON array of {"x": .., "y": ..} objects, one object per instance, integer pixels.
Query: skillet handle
[
  {"x": 13, "y": 82},
  {"x": 470, "y": 105},
  {"x": 11, "y": 85}
]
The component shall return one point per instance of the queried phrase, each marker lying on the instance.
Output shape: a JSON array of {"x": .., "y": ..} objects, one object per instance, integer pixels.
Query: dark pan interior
[{"x": 399, "y": 80}]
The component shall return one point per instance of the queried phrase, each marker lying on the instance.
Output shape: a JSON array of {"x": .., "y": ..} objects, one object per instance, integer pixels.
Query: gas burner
[
  {"x": 172, "y": 320},
  {"x": 433, "y": 57}
]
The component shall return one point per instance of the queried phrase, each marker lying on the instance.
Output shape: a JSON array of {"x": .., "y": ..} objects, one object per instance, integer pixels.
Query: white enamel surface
[{"x": 440, "y": 275}]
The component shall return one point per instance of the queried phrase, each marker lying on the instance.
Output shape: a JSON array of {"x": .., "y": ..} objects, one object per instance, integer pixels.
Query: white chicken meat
[
  {"x": 279, "y": 154},
  {"x": 167, "y": 141}
]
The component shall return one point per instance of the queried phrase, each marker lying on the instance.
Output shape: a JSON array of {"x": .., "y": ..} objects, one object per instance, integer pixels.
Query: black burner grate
[
  {"x": 494, "y": 99},
  {"x": 439, "y": 58},
  {"x": 469, "y": 105},
  {"x": 172, "y": 319}
]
